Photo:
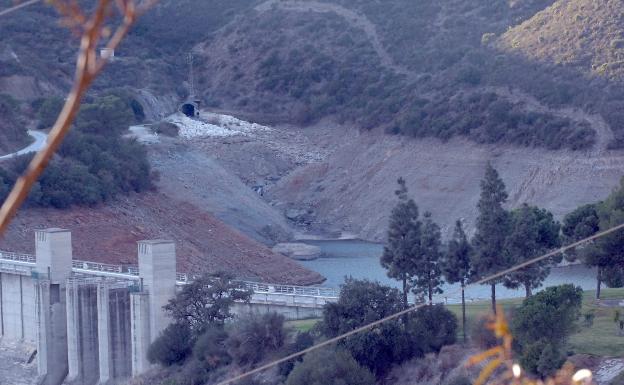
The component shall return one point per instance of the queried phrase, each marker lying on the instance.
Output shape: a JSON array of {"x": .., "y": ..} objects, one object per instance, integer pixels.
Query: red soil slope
[{"x": 109, "y": 233}]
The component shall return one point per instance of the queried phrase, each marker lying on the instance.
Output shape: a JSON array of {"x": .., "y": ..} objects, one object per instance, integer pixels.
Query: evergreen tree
[
  {"x": 534, "y": 232},
  {"x": 402, "y": 248},
  {"x": 609, "y": 257},
  {"x": 427, "y": 279},
  {"x": 457, "y": 265},
  {"x": 579, "y": 224},
  {"x": 605, "y": 252},
  {"x": 491, "y": 229}
]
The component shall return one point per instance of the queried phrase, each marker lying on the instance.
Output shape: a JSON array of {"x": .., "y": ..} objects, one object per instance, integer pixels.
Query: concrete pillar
[
  {"x": 103, "y": 315},
  {"x": 139, "y": 331},
  {"x": 54, "y": 262},
  {"x": 73, "y": 311},
  {"x": 51, "y": 334},
  {"x": 157, "y": 269},
  {"x": 53, "y": 250}
]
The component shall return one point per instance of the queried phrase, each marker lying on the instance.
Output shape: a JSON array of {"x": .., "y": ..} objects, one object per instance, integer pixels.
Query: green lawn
[{"x": 302, "y": 325}]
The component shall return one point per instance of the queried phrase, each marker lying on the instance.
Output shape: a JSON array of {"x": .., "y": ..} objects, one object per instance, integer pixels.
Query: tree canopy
[
  {"x": 206, "y": 301},
  {"x": 534, "y": 232}
]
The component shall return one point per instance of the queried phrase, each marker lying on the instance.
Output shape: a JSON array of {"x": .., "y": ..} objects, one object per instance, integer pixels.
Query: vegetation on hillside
[
  {"x": 94, "y": 164},
  {"x": 307, "y": 65},
  {"x": 12, "y": 132}
]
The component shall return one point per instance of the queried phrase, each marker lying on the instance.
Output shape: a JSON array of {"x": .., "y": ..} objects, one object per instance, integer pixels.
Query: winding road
[{"x": 40, "y": 141}]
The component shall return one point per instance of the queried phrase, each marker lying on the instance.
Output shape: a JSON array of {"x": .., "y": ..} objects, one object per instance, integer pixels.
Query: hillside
[
  {"x": 586, "y": 34},
  {"x": 109, "y": 233},
  {"x": 409, "y": 68}
]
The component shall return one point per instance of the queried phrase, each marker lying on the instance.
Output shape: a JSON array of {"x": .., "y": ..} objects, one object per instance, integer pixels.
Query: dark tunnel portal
[{"x": 189, "y": 110}]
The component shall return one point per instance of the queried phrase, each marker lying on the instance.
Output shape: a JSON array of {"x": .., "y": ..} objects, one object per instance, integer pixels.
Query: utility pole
[{"x": 191, "y": 76}]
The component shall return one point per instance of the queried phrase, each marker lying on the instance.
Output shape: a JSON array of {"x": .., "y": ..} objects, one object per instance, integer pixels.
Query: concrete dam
[{"x": 93, "y": 323}]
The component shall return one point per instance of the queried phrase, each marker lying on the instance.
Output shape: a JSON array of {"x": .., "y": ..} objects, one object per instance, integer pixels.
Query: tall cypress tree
[
  {"x": 401, "y": 252},
  {"x": 534, "y": 231},
  {"x": 427, "y": 279},
  {"x": 457, "y": 264},
  {"x": 491, "y": 229}
]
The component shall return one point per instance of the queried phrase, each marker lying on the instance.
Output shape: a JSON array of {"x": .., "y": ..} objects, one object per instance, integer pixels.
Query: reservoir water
[{"x": 360, "y": 259}]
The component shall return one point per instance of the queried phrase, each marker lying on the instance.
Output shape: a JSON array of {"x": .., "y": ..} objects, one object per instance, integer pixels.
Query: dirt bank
[{"x": 109, "y": 234}]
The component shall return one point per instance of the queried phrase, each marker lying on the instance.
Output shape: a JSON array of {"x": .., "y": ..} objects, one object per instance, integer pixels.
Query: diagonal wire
[
  {"x": 416, "y": 307},
  {"x": 18, "y": 6}
]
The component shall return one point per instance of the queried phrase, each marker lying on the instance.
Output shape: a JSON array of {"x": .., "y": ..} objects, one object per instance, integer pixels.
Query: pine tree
[
  {"x": 402, "y": 248},
  {"x": 608, "y": 256},
  {"x": 491, "y": 229},
  {"x": 534, "y": 232},
  {"x": 427, "y": 279},
  {"x": 457, "y": 264}
]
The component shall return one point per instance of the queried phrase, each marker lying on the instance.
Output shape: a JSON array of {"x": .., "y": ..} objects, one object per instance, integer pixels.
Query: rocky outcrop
[{"x": 298, "y": 251}]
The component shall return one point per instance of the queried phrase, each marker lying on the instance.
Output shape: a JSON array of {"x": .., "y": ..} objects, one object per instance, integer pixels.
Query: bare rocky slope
[
  {"x": 109, "y": 233},
  {"x": 345, "y": 178}
]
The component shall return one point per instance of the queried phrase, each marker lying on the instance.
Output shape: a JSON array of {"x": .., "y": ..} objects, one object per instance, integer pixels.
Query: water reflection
[{"x": 360, "y": 259}]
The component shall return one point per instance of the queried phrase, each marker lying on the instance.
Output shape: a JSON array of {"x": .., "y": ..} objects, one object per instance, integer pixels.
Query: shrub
[
  {"x": 541, "y": 358},
  {"x": 349, "y": 311},
  {"x": 541, "y": 325},
  {"x": 302, "y": 341},
  {"x": 49, "y": 110},
  {"x": 167, "y": 129},
  {"x": 382, "y": 347},
  {"x": 329, "y": 367},
  {"x": 173, "y": 345},
  {"x": 432, "y": 327},
  {"x": 255, "y": 336},
  {"x": 109, "y": 114},
  {"x": 210, "y": 348}
]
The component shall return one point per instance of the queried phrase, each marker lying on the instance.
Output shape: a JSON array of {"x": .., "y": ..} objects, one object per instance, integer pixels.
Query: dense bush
[
  {"x": 431, "y": 328},
  {"x": 253, "y": 337},
  {"x": 95, "y": 162},
  {"x": 302, "y": 341},
  {"x": 173, "y": 345},
  {"x": 330, "y": 367},
  {"x": 48, "y": 111},
  {"x": 393, "y": 342},
  {"x": 541, "y": 326},
  {"x": 210, "y": 348},
  {"x": 12, "y": 132}
]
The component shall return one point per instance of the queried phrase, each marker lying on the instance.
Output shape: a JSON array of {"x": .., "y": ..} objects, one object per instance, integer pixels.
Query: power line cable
[
  {"x": 18, "y": 6},
  {"x": 416, "y": 307}
]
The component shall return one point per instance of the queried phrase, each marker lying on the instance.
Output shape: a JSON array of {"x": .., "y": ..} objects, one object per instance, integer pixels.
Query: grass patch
[
  {"x": 302, "y": 325},
  {"x": 600, "y": 339}
]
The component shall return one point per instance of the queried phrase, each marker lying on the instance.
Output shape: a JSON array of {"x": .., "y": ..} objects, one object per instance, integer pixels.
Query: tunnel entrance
[{"x": 189, "y": 110}]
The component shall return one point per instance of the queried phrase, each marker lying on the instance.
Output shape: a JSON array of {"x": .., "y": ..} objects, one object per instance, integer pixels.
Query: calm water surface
[{"x": 360, "y": 259}]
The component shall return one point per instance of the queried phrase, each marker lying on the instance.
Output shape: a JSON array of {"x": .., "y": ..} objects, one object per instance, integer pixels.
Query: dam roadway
[{"x": 93, "y": 323}]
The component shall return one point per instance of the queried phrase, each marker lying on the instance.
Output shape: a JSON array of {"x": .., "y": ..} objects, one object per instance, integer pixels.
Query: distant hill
[
  {"x": 586, "y": 34},
  {"x": 404, "y": 67}
]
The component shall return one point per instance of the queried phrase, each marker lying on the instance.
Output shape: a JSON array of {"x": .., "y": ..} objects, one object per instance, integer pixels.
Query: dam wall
[{"x": 93, "y": 323}]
